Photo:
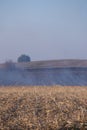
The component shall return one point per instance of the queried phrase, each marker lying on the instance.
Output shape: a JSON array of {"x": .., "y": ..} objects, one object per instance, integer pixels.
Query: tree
[{"x": 24, "y": 58}]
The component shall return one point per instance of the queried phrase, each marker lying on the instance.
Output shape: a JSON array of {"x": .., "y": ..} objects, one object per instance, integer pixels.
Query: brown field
[
  {"x": 43, "y": 108},
  {"x": 50, "y": 64}
]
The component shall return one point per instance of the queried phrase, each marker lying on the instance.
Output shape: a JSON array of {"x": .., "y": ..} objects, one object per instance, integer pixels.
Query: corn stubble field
[{"x": 43, "y": 108}]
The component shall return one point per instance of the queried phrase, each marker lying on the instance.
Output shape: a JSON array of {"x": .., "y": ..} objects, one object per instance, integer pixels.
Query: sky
[{"x": 43, "y": 29}]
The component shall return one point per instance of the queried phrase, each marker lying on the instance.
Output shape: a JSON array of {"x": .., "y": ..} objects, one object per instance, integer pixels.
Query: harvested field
[{"x": 43, "y": 108}]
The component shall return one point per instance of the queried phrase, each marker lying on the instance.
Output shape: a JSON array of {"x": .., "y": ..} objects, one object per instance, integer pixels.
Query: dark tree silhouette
[{"x": 24, "y": 58}]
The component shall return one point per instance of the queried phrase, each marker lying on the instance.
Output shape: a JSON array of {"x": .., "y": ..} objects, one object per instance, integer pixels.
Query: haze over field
[
  {"x": 43, "y": 43},
  {"x": 49, "y": 29}
]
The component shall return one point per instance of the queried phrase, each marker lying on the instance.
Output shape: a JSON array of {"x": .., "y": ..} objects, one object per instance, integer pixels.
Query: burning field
[
  {"x": 43, "y": 108},
  {"x": 44, "y": 73}
]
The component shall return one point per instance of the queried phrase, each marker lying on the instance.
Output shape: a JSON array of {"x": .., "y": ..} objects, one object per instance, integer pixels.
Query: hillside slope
[{"x": 53, "y": 64}]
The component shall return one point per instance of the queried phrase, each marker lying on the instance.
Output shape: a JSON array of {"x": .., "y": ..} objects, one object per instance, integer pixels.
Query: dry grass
[{"x": 43, "y": 108}]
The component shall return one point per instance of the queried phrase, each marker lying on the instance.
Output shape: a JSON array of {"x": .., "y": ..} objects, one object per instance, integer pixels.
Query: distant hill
[{"x": 53, "y": 64}]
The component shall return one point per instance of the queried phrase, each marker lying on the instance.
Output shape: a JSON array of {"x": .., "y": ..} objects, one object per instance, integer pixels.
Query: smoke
[{"x": 57, "y": 76}]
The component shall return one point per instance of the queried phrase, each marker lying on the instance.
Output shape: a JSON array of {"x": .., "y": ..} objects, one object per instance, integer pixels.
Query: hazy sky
[{"x": 43, "y": 29}]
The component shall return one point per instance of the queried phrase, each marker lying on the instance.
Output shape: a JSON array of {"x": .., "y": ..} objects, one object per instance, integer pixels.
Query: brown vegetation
[
  {"x": 50, "y": 64},
  {"x": 43, "y": 108}
]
